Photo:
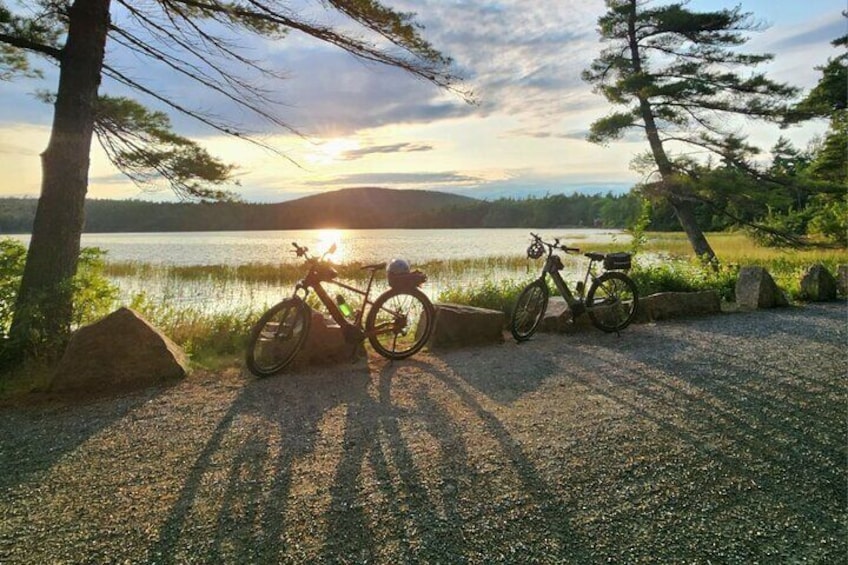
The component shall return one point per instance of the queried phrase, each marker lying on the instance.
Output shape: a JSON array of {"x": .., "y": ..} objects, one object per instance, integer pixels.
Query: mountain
[{"x": 352, "y": 208}]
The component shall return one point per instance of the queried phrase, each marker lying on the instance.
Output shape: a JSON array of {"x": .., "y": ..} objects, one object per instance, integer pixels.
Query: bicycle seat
[
  {"x": 374, "y": 267},
  {"x": 594, "y": 256}
]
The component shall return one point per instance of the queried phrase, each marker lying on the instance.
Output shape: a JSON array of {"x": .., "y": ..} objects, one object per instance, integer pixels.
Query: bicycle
[
  {"x": 611, "y": 301},
  {"x": 398, "y": 324}
]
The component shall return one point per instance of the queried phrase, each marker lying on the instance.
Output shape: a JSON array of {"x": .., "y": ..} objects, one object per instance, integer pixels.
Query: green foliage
[
  {"x": 203, "y": 335},
  {"x": 492, "y": 294},
  {"x": 12, "y": 257},
  {"x": 681, "y": 276},
  {"x": 673, "y": 68},
  {"x": 93, "y": 294},
  {"x": 141, "y": 144}
]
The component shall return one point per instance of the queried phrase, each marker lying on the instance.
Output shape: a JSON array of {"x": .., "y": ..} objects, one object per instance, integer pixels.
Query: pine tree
[{"x": 678, "y": 72}]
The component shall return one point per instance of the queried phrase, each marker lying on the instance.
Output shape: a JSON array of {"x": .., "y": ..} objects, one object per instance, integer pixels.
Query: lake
[
  {"x": 364, "y": 246},
  {"x": 273, "y": 247}
]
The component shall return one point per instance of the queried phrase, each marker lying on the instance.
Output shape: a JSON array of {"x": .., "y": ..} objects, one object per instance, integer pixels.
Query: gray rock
[
  {"x": 559, "y": 318},
  {"x": 457, "y": 325},
  {"x": 669, "y": 305},
  {"x": 122, "y": 351},
  {"x": 818, "y": 285},
  {"x": 842, "y": 280},
  {"x": 756, "y": 289}
]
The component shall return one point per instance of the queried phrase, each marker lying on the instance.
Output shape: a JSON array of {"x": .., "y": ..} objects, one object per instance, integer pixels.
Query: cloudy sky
[{"x": 363, "y": 125}]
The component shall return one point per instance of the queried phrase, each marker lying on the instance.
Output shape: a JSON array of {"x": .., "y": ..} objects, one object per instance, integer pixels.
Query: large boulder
[
  {"x": 120, "y": 352},
  {"x": 842, "y": 280},
  {"x": 818, "y": 284},
  {"x": 457, "y": 325},
  {"x": 668, "y": 305},
  {"x": 756, "y": 289}
]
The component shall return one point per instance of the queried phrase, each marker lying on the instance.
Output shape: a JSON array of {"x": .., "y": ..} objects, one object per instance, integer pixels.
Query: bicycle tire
[
  {"x": 529, "y": 310},
  {"x": 277, "y": 337},
  {"x": 612, "y": 301},
  {"x": 408, "y": 317}
]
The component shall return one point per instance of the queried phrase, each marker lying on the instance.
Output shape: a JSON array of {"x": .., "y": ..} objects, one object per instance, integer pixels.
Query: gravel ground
[{"x": 711, "y": 440}]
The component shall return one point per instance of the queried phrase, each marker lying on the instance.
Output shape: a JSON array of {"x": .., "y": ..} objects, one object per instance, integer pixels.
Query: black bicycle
[
  {"x": 611, "y": 301},
  {"x": 398, "y": 324}
]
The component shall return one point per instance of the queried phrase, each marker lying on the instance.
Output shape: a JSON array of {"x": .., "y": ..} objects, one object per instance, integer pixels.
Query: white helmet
[{"x": 398, "y": 267}]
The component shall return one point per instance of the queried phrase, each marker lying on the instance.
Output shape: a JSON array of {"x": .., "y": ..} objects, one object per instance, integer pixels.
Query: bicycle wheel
[
  {"x": 529, "y": 310},
  {"x": 277, "y": 337},
  {"x": 612, "y": 301},
  {"x": 400, "y": 322}
]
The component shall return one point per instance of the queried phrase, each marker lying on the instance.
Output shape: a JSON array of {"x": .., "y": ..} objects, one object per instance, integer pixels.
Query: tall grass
[{"x": 665, "y": 263}]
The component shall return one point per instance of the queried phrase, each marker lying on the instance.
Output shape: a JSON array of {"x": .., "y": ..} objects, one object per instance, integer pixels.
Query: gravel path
[{"x": 711, "y": 440}]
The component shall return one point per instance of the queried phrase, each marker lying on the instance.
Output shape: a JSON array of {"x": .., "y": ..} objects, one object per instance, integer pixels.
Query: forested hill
[{"x": 348, "y": 208}]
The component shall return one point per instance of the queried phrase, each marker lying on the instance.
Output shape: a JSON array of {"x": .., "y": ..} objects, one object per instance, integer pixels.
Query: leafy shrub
[
  {"x": 94, "y": 295},
  {"x": 679, "y": 276},
  {"x": 12, "y": 257},
  {"x": 494, "y": 295}
]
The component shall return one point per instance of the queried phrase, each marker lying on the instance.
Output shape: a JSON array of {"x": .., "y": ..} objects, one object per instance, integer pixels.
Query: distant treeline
[{"x": 361, "y": 208}]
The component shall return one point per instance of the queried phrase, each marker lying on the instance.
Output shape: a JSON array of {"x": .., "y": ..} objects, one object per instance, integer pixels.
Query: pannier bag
[
  {"x": 617, "y": 261},
  {"x": 411, "y": 279}
]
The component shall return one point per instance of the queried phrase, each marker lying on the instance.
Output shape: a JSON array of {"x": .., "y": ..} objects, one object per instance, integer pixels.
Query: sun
[
  {"x": 332, "y": 151},
  {"x": 329, "y": 237}
]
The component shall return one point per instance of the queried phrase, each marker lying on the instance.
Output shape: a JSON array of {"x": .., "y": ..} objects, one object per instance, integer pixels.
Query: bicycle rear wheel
[
  {"x": 612, "y": 301},
  {"x": 400, "y": 322},
  {"x": 529, "y": 310},
  {"x": 277, "y": 337}
]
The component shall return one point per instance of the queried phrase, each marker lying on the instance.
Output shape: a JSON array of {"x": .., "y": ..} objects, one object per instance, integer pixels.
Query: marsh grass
[{"x": 664, "y": 262}]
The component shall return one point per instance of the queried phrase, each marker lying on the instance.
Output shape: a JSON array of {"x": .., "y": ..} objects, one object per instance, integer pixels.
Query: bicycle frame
[
  {"x": 313, "y": 281},
  {"x": 553, "y": 266}
]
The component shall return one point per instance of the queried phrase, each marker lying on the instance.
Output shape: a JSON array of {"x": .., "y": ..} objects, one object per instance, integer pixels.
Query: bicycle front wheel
[
  {"x": 612, "y": 301},
  {"x": 277, "y": 337},
  {"x": 529, "y": 310},
  {"x": 400, "y": 322}
]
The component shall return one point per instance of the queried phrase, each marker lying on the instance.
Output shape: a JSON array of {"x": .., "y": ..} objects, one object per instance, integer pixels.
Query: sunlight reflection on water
[{"x": 353, "y": 246}]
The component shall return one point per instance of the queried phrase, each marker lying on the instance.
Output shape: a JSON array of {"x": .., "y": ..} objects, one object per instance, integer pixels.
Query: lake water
[
  {"x": 364, "y": 246},
  {"x": 274, "y": 247}
]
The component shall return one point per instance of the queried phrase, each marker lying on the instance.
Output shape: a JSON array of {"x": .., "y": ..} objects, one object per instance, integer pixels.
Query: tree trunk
[
  {"x": 44, "y": 307},
  {"x": 683, "y": 208}
]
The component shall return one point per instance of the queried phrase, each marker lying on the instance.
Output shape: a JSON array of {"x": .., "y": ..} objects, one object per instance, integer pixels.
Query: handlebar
[{"x": 556, "y": 244}]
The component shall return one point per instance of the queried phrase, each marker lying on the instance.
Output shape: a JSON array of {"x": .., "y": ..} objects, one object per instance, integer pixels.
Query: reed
[{"x": 664, "y": 263}]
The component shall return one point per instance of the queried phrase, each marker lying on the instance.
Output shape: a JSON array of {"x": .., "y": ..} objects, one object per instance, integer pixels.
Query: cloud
[
  {"x": 399, "y": 180},
  {"x": 353, "y": 154},
  {"x": 819, "y": 34}
]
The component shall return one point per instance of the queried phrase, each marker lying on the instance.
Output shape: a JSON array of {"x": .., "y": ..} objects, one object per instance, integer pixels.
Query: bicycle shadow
[
  {"x": 435, "y": 483},
  {"x": 244, "y": 476}
]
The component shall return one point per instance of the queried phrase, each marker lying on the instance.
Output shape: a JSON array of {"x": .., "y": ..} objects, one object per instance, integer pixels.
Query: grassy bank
[{"x": 664, "y": 262}]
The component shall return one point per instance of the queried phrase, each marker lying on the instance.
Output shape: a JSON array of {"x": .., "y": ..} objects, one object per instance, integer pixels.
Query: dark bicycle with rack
[
  {"x": 611, "y": 300},
  {"x": 398, "y": 323}
]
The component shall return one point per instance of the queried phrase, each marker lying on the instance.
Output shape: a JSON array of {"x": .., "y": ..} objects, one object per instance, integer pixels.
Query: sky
[{"x": 361, "y": 124}]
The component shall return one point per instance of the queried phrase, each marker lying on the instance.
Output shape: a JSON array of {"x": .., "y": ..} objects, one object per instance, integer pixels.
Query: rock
[
  {"x": 818, "y": 285},
  {"x": 325, "y": 343},
  {"x": 842, "y": 280},
  {"x": 118, "y": 353},
  {"x": 668, "y": 305},
  {"x": 457, "y": 325},
  {"x": 756, "y": 289},
  {"x": 559, "y": 318}
]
